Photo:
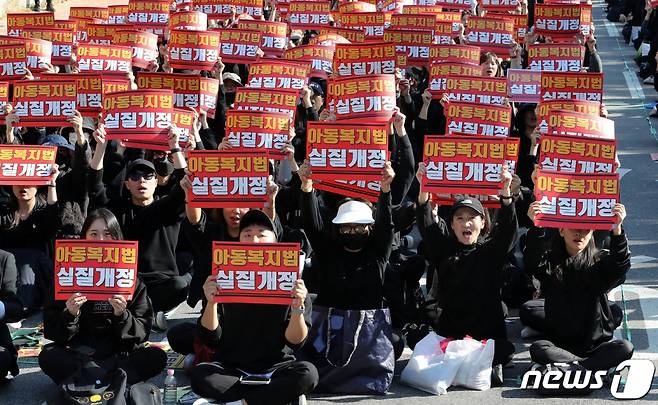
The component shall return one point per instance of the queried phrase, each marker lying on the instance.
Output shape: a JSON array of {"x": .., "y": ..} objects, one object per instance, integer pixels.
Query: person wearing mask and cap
[
  {"x": 469, "y": 260},
  {"x": 254, "y": 339},
  {"x": 231, "y": 83},
  {"x": 153, "y": 221}
]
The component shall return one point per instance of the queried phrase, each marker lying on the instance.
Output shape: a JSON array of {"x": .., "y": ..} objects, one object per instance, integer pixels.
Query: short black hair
[{"x": 109, "y": 218}]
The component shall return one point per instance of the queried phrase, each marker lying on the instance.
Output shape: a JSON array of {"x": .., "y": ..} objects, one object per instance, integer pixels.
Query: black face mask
[
  {"x": 163, "y": 167},
  {"x": 230, "y": 98},
  {"x": 353, "y": 241}
]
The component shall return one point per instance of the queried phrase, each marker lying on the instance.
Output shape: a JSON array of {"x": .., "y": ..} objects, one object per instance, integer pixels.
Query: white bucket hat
[{"x": 353, "y": 212}]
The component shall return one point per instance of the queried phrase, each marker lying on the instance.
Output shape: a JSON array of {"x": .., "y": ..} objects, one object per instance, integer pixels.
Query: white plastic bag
[
  {"x": 475, "y": 369},
  {"x": 431, "y": 369}
]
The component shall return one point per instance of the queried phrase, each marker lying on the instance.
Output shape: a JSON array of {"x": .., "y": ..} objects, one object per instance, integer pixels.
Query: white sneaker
[
  {"x": 648, "y": 80},
  {"x": 160, "y": 321},
  {"x": 528, "y": 332}
]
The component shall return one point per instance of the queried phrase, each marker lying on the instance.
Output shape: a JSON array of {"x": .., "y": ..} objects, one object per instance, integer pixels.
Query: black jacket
[
  {"x": 578, "y": 316},
  {"x": 468, "y": 279},
  {"x": 98, "y": 328},
  {"x": 35, "y": 232},
  {"x": 13, "y": 306}
]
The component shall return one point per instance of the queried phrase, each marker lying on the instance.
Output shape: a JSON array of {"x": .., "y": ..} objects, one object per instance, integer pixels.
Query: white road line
[
  {"x": 622, "y": 172},
  {"x": 611, "y": 28},
  {"x": 633, "y": 84},
  {"x": 648, "y": 298},
  {"x": 641, "y": 259}
]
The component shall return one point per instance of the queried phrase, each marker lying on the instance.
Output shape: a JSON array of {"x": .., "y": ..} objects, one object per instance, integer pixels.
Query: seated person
[{"x": 11, "y": 310}]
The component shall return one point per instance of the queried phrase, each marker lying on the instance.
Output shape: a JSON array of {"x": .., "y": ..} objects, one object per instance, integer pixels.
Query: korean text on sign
[
  {"x": 193, "y": 49},
  {"x": 439, "y": 73},
  {"x": 104, "y": 59},
  {"x": 569, "y": 154},
  {"x": 284, "y": 101},
  {"x": 278, "y": 75},
  {"x": 576, "y": 124},
  {"x": 255, "y": 273},
  {"x": 258, "y": 131},
  {"x": 580, "y": 201},
  {"x": 524, "y": 86},
  {"x": 96, "y": 269},
  {"x": 364, "y": 59},
  {"x": 222, "y": 179},
  {"x": 45, "y": 102},
  {"x": 347, "y": 151},
  {"x": 477, "y": 89},
  {"x": 190, "y": 91},
  {"x": 571, "y": 86},
  {"x": 477, "y": 119},
  {"x": 137, "y": 114},
  {"x": 23, "y": 164},
  {"x": 362, "y": 96}
]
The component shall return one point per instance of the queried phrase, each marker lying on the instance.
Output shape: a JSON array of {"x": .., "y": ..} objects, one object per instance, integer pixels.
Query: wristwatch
[{"x": 297, "y": 311}]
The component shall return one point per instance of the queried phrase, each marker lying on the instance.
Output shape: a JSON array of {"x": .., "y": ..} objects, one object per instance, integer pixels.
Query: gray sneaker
[{"x": 160, "y": 321}]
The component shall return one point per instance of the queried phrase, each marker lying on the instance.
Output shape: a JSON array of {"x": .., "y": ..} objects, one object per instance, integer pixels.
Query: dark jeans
[
  {"x": 604, "y": 357},
  {"x": 532, "y": 314},
  {"x": 6, "y": 362},
  {"x": 181, "y": 337},
  {"x": 288, "y": 382},
  {"x": 167, "y": 294},
  {"x": 60, "y": 363}
]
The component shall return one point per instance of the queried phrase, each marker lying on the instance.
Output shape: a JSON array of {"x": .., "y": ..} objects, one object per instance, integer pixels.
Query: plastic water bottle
[{"x": 170, "y": 397}]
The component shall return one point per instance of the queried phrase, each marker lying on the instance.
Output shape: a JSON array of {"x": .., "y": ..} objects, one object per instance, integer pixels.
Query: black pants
[
  {"x": 181, "y": 337},
  {"x": 210, "y": 380},
  {"x": 60, "y": 363},
  {"x": 6, "y": 362},
  {"x": 604, "y": 357},
  {"x": 167, "y": 294},
  {"x": 532, "y": 314}
]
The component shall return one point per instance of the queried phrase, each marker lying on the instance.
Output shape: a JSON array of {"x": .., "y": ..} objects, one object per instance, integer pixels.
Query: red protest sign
[
  {"x": 356, "y": 6},
  {"x": 320, "y": 57},
  {"x": 91, "y": 89},
  {"x": 137, "y": 114},
  {"x": 556, "y": 57},
  {"x": 238, "y": 46},
  {"x": 444, "y": 32},
  {"x": 556, "y": 19},
  {"x": 520, "y": 27},
  {"x": 463, "y": 164},
  {"x": 309, "y": 15},
  {"x": 284, "y": 75},
  {"x": 102, "y": 34},
  {"x": 97, "y": 269},
  {"x": 259, "y": 131},
  {"x": 4, "y": 99},
  {"x": 284, "y": 101},
  {"x": 193, "y": 49},
  {"x": 524, "y": 86},
  {"x": 414, "y": 44},
  {"x": 188, "y": 20},
  {"x": 454, "y": 4},
  {"x": 373, "y": 24},
  {"x": 420, "y": 9},
  {"x": 364, "y": 59},
  {"x": 572, "y": 86},
  {"x": 475, "y": 119},
  {"x": 491, "y": 34},
  {"x": 62, "y": 42},
  {"x": 346, "y": 151},
  {"x": 499, "y": 5},
  {"x": 104, "y": 59},
  {"x": 220, "y": 9},
  {"x": 81, "y": 24},
  {"x": 144, "y": 45},
  {"x": 352, "y": 35},
  {"x": 224, "y": 179},
  {"x": 117, "y": 14},
  {"x": 362, "y": 96},
  {"x": 183, "y": 120},
  {"x": 581, "y": 201},
  {"x": 273, "y": 36},
  {"x": 13, "y": 64},
  {"x": 26, "y": 164},
  {"x": 455, "y": 53},
  {"x": 102, "y": 13},
  {"x": 477, "y": 89},
  {"x": 17, "y": 21},
  {"x": 576, "y": 124},
  {"x": 47, "y": 103},
  {"x": 37, "y": 54},
  {"x": 413, "y": 22},
  {"x": 579, "y": 106},
  {"x": 367, "y": 189},
  {"x": 255, "y": 273},
  {"x": 569, "y": 154},
  {"x": 190, "y": 91},
  {"x": 439, "y": 73},
  {"x": 150, "y": 15}
]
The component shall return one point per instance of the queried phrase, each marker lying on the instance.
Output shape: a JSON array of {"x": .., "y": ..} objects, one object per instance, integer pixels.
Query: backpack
[
  {"x": 144, "y": 393},
  {"x": 93, "y": 385}
]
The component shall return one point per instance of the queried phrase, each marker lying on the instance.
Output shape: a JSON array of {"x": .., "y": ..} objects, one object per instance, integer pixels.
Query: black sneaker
[{"x": 497, "y": 375}]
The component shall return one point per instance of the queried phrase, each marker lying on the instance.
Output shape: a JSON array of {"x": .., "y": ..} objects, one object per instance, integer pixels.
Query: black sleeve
[
  {"x": 404, "y": 170},
  {"x": 611, "y": 271},
  {"x": 134, "y": 325},
  {"x": 173, "y": 204},
  {"x": 382, "y": 233},
  {"x": 78, "y": 184},
  {"x": 313, "y": 223},
  {"x": 58, "y": 323},
  {"x": 503, "y": 236},
  {"x": 13, "y": 305},
  {"x": 312, "y": 115},
  {"x": 48, "y": 222},
  {"x": 435, "y": 234},
  {"x": 533, "y": 253},
  {"x": 96, "y": 188},
  {"x": 208, "y": 138},
  {"x": 208, "y": 337}
]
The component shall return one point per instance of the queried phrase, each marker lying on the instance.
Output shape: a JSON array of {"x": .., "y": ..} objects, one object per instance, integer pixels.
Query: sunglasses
[
  {"x": 136, "y": 176},
  {"x": 353, "y": 229}
]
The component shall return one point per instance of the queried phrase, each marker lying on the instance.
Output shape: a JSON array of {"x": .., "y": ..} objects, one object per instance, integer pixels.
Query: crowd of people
[{"x": 360, "y": 256}]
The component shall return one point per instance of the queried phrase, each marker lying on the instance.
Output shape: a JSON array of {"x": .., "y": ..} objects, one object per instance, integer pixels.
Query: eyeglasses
[
  {"x": 354, "y": 229},
  {"x": 136, "y": 176}
]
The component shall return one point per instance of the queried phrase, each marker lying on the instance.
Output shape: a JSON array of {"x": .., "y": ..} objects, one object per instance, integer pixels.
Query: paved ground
[{"x": 625, "y": 99}]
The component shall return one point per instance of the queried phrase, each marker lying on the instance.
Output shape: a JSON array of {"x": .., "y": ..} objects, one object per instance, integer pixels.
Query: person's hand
[
  {"x": 289, "y": 151},
  {"x": 619, "y": 212},
  {"x": 535, "y": 138},
  {"x": 505, "y": 177},
  {"x": 327, "y": 116},
  {"x": 533, "y": 175},
  {"x": 259, "y": 53},
  {"x": 404, "y": 87},
  {"x": 444, "y": 100},
  {"x": 515, "y": 51},
  {"x": 119, "y": 304},
  {"x": 427, "y": 97},
  {"x": 186, "y": 181},
  {"x": 306, "y": 96},
  {"x": 11, "y": 119},
  {"x": 76, "y": 122},
  {"x": 210, "y": 288},
  {"x": 50, "y": 68},
  {"x": 218, "y": 69},
  {"x": 272, "y": 191},
  {"x": 304, "y": 174},
  {"x": 533, "y": 210},
  {"x": 603, "y": 112},
  {"x": 166, "y": 67},
  {"x": 100, "y": 135},
  {"x": 224, "y": 144},
  {"x": 153, "y": 66},
  {"x": 74, "y": 303},
  {"x": 299, "y": 293},
  {"x": 387, "y": 177},
  {"x": 173, "y": 138},
  {"x": 398, "y": 122},
  {"x": 515, "y": 187},
  {"x": 622, "y": 18},
  {"x": 28, "y": 75},
  {"x": 54, "y": 172},
  {"x": 591, "y": 43},
  {"x": 421, "y": 172},
  {"x": 203, "y": 118}
]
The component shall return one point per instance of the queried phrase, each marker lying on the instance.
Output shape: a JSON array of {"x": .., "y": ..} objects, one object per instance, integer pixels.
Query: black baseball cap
[
  {"x": 257, "y": 217},
  {"x": 140, "y": 164},
  {"x": 468, "y": 202}
]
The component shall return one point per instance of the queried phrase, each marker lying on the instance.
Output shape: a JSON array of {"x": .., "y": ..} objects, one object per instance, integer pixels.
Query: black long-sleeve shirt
[
  {"x": 578, "y": 316},
  {"x": 35, "y": 232},
  {"x": 349, "y": 280},
  {"x": 468, "y": 278},
  {"x": 156, "y": 226}
]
